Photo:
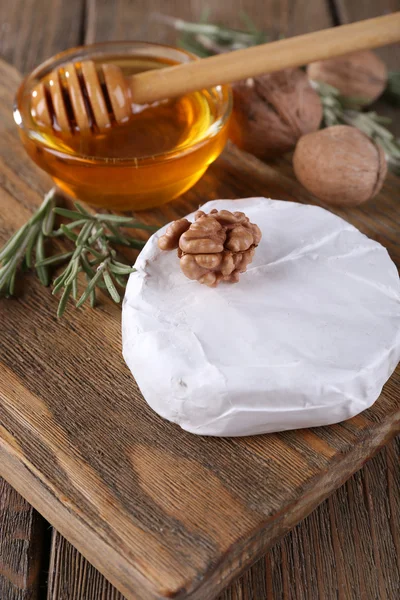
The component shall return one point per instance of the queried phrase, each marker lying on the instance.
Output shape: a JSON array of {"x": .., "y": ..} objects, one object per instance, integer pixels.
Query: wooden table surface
[{"x": 349, "y": 547}]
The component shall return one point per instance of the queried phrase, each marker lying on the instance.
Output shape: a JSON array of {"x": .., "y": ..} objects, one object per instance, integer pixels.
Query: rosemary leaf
[
  {"x": 11, "y": 287},
  {"x": 43, "y": 272},
  {"x": 95, "y": 237},
  {"x": 60, "y": 281},
  {"x": 47, "y": 204},
  {"x": 70, "y": 214},
  {"x": 6, "y": 273},
  {"x": 84, "y": 233},
  {"x": 92, "y": 298},
  {"x": 62, "y": 305},
  {"x": 48, "y": 221},
  {"x": 81, "y": 209},
  {"x": 77, "y": 252},
  {"x": 120, "y": 280},
  {"x": 73, "y": 273},
  {"x": 29, "y": 249},
  {"x": 12, "y": 244},
  {"x": 106, "y": 218},
  {"x": 118, "y": 235},
  {"x": 68, "y": 233},
  {"x": 120, "y": 269},
  {"x": 75, "y": 289},
  {"x": 381, "y": 118},
  {"x": 112, "y": 290},
  {"x": 87, "y": 267},
  {"x": 72, "y": 225},
  {"x": 57, "y": 259},
  {"x": 96, "y": 254},
  {"x": 91, "y": 284}
]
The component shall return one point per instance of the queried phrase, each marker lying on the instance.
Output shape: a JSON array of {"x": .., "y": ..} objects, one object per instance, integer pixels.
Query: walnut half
[{"x": 218, "y": 246}]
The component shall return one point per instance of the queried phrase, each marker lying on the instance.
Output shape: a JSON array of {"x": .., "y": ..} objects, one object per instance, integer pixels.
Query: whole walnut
[
  {"x": 340, "y": 165},
  {"x": 218, "y": 246},
  {"x": 361, "y": 75},
  {"x": 271, "y": 112}
]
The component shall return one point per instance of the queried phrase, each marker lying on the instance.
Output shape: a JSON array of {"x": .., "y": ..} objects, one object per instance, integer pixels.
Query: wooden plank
[
  {"x": 159, "y": 511},
  {"x": 21, "y": 546},
  {"x": 347, "y": 549},
  {"x": 71, "y": 577},
  {"x": 33, "y": 30},
  {"x": 135, "y": 19}
]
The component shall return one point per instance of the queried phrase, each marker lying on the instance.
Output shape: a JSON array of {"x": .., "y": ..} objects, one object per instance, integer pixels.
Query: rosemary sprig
[
  {"x": 19, "y": 247},
  {"x": 340, "y": 110},
  {"x": 205, "y": 39},
  {"x": 94, "y": 255}
]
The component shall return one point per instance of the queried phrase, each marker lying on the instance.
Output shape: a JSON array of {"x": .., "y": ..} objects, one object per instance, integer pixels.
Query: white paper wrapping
[{"x": 307, "y": 337}]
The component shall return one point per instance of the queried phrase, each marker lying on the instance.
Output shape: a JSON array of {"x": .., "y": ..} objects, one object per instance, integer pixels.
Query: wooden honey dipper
[{"x": 79, "y": 96}]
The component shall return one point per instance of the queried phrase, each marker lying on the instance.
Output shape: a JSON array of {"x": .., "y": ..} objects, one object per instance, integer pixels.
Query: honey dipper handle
[{"x": 170, "y": 82}]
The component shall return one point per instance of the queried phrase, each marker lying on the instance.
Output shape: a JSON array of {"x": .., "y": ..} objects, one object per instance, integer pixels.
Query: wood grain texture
[
  {"x": 71, "y": 577},
  {"x": 160, "y": 512},
  {"x": 347, "y": 549},
  {"x": 33, "y": 30},
  {"x": 21, "y": 546}
]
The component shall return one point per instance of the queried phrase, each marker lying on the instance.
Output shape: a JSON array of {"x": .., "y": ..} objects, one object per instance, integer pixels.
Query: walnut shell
[
  {"x": 271, "y": 112},
  {"x": 340, "y": 165},
  {"x": 216, "y": 247},
  {"x": 360, "y": 74}
]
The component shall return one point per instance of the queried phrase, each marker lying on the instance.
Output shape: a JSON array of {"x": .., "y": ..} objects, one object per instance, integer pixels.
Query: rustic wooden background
[{"x": 349, "y": 548}]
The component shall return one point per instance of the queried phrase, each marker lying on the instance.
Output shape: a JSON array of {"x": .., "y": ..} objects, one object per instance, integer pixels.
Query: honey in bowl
[{"x": 156, "y": 155}]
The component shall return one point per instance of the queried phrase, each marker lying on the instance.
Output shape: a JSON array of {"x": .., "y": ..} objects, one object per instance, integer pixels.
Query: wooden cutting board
[{"x": 162, "y": 513}]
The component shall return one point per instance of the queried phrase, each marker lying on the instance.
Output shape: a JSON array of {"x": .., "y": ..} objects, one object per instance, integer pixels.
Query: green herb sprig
[
  {"x": 19, "y": 248},
  {"x": 341, "y": 110},
  {"x": 94, "y": 255},
  {"x": 205, "y": 39}
]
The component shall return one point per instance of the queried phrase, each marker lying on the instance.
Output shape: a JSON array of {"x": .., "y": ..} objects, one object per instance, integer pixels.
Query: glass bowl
[{"x": 107, "y": 173}]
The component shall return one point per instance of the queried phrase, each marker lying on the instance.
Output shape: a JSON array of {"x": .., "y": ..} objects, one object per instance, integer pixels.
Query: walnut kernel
[
  {"x": 170, "y": 240},
  {"x": 217, "y": 247}
]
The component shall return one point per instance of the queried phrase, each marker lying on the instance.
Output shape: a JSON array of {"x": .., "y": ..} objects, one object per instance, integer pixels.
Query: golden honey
[{"x": 159, "y": 153}]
